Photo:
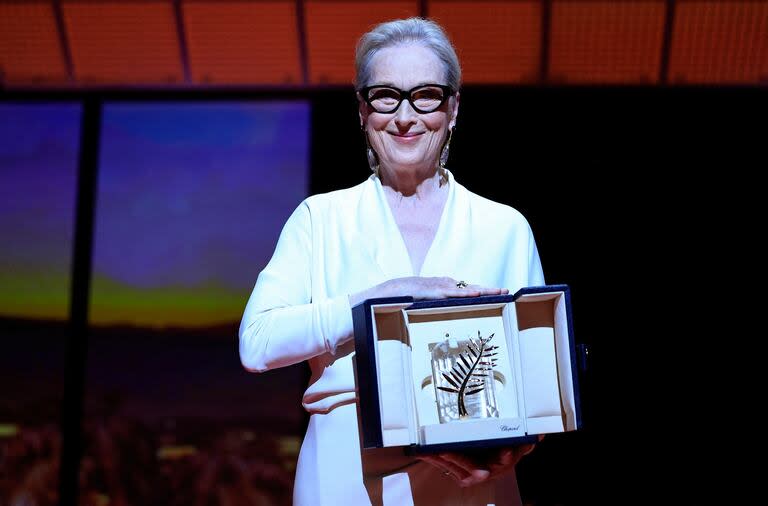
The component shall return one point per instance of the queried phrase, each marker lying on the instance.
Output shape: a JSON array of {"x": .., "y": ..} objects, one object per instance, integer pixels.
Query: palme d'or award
[{"x": 462, "y": 373}]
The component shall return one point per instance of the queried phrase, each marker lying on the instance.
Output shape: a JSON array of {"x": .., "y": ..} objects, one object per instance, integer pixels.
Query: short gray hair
[{"x": 404, "y": 31}]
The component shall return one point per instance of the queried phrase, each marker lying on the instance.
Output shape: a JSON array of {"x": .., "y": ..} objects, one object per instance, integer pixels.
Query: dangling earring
[
  {"x": 444, "y": 156},
  {"x": 373, "y": 158},
  {"x": 446, "y": 149}
]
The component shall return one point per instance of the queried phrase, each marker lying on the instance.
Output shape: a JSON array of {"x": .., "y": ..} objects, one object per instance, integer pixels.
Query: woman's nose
[{"x": 405, "y": 114}]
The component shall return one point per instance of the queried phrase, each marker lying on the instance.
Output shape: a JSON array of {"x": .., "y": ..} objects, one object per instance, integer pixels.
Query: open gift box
[{"x": 466, "y": 372}]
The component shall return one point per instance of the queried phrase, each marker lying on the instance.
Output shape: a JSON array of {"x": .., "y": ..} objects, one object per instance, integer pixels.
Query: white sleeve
[
  {"x": 535, "y": 272},
  {"x": 281, "y": 324}
]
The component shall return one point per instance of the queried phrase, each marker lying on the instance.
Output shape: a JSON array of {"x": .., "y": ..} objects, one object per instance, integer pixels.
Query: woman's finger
[
  {"x": 474, "y": 474},
  {"x": 448, "y": 468},
  {"x": 488, "y": 290},
  {"x": 484, "y": 290},
  {"x": 505, "y": 462},
  {"x": 462, "y": 292},
  {"x": 509, "y": 457},
  {"x": 459, "y": 460},
  {"x": 506, "y": 457},
  {"x": 455, "y": 289}
]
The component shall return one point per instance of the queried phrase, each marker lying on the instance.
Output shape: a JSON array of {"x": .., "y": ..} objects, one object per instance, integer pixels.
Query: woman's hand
[
  {"x": 470, "y": 470},
  {"x": 424, "y": 288}
]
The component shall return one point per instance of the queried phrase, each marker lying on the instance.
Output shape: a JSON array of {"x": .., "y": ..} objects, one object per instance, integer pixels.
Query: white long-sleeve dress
[{"x": 344, "y": 242}]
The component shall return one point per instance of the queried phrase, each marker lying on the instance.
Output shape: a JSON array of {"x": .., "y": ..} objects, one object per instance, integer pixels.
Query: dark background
[{"x": 641, "y": 199}]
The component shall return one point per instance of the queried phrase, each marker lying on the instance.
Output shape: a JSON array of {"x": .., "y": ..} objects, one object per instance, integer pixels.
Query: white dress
[{"x": 344, "y": 242}]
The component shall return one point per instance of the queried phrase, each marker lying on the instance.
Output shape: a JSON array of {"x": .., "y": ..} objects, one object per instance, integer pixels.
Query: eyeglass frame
[{"x": 407, "y": 95}]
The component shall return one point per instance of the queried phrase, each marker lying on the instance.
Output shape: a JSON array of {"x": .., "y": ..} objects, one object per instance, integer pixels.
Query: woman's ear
[
  {"x": 362, "y": 111},
  {"x": 454, "y": 111}
]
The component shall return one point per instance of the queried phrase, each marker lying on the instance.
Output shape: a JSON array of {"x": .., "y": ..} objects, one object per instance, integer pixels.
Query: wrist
[{"x": 389, "y": 288}]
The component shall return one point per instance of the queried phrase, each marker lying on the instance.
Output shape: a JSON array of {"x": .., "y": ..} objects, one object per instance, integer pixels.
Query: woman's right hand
[{"x": 424, "y": 288}]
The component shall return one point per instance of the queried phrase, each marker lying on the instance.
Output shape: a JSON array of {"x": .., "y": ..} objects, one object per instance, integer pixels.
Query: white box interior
[{"x": 533, "y": 377}]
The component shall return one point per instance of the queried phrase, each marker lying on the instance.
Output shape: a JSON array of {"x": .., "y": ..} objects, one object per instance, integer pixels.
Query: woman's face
[{"x": 405, "y": 140}]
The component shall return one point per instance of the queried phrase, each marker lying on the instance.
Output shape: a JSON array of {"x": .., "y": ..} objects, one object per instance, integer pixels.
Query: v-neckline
[{"x": 392, "y": 222}]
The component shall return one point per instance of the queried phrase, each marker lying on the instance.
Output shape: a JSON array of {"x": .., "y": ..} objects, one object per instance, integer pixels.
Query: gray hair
[{"x": 404, "y": 31}]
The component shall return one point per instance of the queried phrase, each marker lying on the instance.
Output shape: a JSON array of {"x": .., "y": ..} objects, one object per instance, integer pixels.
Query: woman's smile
[{"x": 409, "y": 138}]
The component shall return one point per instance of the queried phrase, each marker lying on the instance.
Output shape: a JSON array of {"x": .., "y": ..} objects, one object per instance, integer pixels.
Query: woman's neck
[{"x": 413, "y": 185}]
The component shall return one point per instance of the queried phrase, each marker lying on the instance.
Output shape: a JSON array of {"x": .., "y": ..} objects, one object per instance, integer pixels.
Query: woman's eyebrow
[{"x": 392, "y": 85}]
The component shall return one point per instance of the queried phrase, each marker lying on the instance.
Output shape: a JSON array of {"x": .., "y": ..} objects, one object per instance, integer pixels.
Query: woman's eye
[
  {"x": 428, "y": 94},
  {"x": 385, "y": 95}
]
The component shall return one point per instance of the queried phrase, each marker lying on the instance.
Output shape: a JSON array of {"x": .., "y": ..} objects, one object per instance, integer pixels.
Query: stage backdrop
[
  {"x": 38, "y": 175},
  {"x": 191, "y": 200}
]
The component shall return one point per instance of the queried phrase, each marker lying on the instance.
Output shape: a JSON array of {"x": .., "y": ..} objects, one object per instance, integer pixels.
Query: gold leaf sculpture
[{"x": 471, "y": 367}]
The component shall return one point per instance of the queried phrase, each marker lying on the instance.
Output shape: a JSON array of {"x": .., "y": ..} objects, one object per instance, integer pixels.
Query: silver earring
[
  {"x": 444, "y": 158},
  {"x": 446, "y": 149},
  {"x": 373, "y": 158}
]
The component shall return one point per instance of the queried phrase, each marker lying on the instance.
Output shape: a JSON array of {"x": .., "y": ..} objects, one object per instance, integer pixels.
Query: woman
[{"x": 409, "y": 229}]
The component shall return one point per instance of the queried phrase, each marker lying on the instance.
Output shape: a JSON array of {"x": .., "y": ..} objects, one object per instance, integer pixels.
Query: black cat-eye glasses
[{"x": 424, "y": 98}]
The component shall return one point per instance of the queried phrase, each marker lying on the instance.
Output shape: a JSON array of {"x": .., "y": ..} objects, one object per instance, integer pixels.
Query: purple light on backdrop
[
  {"x": 38, "y": 176},
  {"x": 191, "y": 200}
]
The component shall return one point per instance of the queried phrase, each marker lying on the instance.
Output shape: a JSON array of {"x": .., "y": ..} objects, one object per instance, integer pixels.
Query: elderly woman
[{"x": 409, "y": 229}]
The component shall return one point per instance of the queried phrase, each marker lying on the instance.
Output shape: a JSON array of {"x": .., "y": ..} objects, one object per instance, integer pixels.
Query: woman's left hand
[{"x": 468, "y": 471}]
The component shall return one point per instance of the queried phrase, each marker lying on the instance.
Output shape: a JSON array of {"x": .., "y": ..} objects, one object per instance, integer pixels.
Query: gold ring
[{"x": 461, "y": 284}]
